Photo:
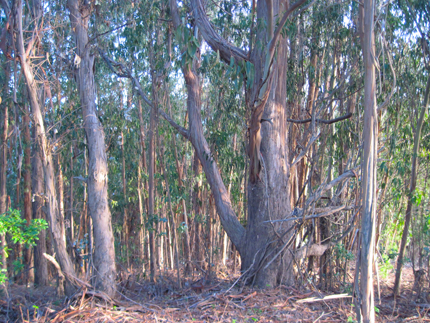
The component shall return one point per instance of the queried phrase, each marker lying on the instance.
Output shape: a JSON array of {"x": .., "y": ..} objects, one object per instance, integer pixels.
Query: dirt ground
[{"x": 217, "y": 300}]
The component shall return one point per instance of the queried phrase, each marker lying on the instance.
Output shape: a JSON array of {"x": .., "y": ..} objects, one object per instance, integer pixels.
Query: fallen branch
[
  {"x": 325, "y": 298},
  {"x": 61, "y": 278}
]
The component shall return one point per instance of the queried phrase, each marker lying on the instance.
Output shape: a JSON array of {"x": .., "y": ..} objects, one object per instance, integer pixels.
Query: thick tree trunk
[
  {"x": 269, "y": 193},
  {"x": 261, "y": 247},
  {"x": 413, "y": 185},
  {"x": 104, "y": 252}
]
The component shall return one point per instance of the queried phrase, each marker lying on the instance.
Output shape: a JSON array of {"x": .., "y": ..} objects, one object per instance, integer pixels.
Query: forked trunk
[{"x": 263, "y": 246}]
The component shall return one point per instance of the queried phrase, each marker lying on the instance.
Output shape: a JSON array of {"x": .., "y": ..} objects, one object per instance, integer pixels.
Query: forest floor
[{"x": 217, "y": 300}]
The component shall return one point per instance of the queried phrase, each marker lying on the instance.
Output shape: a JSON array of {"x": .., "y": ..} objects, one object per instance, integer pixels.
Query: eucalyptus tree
[
  {"x": 264, "y": 246},
  {"x": 104, "y": 252},
  {"x": 43, "y": 144},
  {"x": 369, "y": 160}
]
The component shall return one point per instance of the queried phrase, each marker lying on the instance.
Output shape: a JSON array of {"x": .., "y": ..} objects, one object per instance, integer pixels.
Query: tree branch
[
  {"x": 324, "y": 188},
  {"x": 319, "y": 215},
  {"x": 393, "y": 89},
  {"x": 215, "y": 41},
  {"x": 346, "y": 116},
  {"x": 304, "y": 151},
  {"x": 108, "y": 32},
  {"x": 125, "y": 72}
]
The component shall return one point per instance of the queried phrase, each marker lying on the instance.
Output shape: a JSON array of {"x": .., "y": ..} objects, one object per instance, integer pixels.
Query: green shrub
[{"x": 12, "y": 223}]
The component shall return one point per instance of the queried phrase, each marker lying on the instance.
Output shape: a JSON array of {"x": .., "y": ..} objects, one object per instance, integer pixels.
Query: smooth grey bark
[
  {"x": 369, "y": 161},
  {"x": 104, "y": 252}
]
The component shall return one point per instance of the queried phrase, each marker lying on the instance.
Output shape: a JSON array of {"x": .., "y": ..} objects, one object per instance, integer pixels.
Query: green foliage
[
  {"x": 386, "y": 267},
  {"x": 12, "y": 223},
  {"x": 342, "y": 253}
]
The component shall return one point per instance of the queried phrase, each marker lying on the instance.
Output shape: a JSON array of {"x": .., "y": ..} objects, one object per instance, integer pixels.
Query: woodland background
[{"x": 89, "y": 91}]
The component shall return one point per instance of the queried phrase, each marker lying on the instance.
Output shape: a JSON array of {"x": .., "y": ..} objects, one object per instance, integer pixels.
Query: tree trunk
[
  {"x": 413, "y": 185},
  {"x": 185, "y": 235},
  {"x": 198, "y": 214},
  {"x": 145, "y": 185},
  {"x": 3, "y": 193},
  {"x": 55, "y": 220},
  {"x": 263, "y": 251},
  {"x": 124, "y": 192},
  {"x": 28, "y": 260},
  {"x": 104, "y": 251},
  {"x": 195, "y": 135},
  {"x": 151, "y": 170},
  {"x": 370, "y": 140},
  {"x": 268, "y": 190},
  {"x": 40, "y": 263},
  {"x": 60, "y": 195},
  {"x": 71, "y": 206}
]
